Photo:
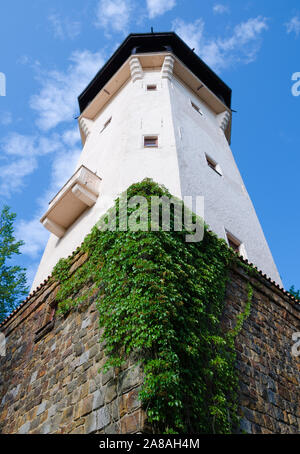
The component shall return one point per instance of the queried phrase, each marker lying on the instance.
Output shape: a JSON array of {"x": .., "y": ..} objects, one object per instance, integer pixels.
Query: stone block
[
  {"x": 67, "y": 414},
  {"x": 86, "y": 406},
  {"x": 85, "y": 323},
  {"x": 93, "y": 351},
  {"x": 45, "y": 428},
  {"x": 107, "y": 376},
  {"x": 113, "y": 429},
  {"x": 111, "y": 391},
  {"x": 83, "y": 358},
  {"x": 42, "y": 408},
  {"x": 78, "y": 349},
  {"x": 129, "y": 379},
  {"x": 98, "y": 399},
  {"x": 132, "y": 423},
  {"x": 25, "y": 428},
  {"x": 90, "y": 423},
  {"x": 103, "y": 418}
]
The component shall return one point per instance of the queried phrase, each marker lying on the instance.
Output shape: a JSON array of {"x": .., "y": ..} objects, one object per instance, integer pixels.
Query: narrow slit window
[
  {"x": 197, "y": 108},
  {"x": 213, "y": 165},
  {"x": 235, "y": 244},
  {"x": 106, "y": 124},
  {"x": 150, "y": 142},
  {"x": 151, "y": 87},
  {"x": 47, "y": 324}
]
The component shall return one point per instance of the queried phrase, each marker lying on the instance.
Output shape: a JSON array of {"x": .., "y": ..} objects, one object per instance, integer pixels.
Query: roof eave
[{"x": 158, "y": 40}]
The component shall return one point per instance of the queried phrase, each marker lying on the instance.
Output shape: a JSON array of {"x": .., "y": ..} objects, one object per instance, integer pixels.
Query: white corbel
[
  {"x": 84, "y": 195},
  {"x": 167, "y": 68},
  {"x": 86, "y": 126},
  {"x": 136, "y": 69},
  {"x": 223, "y": 119},
  {"x": 57, "y": 229}
]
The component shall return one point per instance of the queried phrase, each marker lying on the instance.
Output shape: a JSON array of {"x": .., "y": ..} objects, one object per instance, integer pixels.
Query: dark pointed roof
[{"x": 155, "y": 42}]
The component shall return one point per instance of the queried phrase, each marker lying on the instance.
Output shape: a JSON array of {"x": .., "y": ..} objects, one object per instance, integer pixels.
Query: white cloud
[
  {"x": 23, "y": 60},
  {"x": 64, "y": 28},
  {"x": 191, "y": 33},
  {"x": 62, "y": 169},
  {"x": 16, "y": 144},
  {"x": 57, "y": 100},
  {"x": 5, "y": 118},
  {"x": 31, "y": 272},
  {"x": 249, "y": 30},
  {"x": 34, "y": 236},
  {"x": 159, "y": 7},
  {"x": 55, "y": 103},
  {"x": 18, "y": 160},
  {"x": 220, "y": 9},
  {"x": 13, "y": 174},
  {"x": 293, "y": 26},
  {"x": 113, "y": 15},
  {"x": 31, "y": 231},
  {"x": 20, "y": 153},
  {"x": 71, "y": 136},
  {"x": 219, "y": 53}
]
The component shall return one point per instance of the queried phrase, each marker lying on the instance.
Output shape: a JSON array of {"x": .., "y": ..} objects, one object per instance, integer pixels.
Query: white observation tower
[{"x": 155, "y": 110}]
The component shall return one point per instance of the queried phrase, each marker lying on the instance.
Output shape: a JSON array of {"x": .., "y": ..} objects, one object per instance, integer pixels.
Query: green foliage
[
  {"x": 294, "y": 292},
  {"x": 12, "y": 277},
  {"x": 231, "y": 335},
  {"x": 162, "y": 298}
]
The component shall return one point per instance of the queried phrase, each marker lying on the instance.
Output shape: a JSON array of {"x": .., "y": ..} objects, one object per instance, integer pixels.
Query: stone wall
[
  {"x": 50, "y": 380},
  {"x": 269, "y": 397}
]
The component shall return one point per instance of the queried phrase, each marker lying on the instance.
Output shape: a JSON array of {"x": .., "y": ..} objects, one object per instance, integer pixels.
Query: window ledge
[
  {"x": 80, "y": 192},
  {"x": 42, "y": 332},
  {"x": 215, "y": 170}
]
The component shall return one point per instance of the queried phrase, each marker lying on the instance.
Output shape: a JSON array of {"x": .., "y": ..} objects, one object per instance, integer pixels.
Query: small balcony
[{"x": 79, "y": 193}]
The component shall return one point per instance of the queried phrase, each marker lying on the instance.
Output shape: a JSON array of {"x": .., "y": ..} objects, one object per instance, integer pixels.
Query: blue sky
[{"x": 49, "y": 51}]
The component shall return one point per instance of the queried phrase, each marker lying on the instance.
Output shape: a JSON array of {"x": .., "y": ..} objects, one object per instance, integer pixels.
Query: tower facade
[{"x": 155, "y": 110}]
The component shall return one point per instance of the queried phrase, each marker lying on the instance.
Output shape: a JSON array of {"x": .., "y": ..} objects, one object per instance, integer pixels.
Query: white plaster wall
[
  {"x": 119, "y": 158},
  {"x": 227, "y": 204}
]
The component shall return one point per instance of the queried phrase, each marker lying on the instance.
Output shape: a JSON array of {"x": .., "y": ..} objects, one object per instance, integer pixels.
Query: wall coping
[{"x": 261, "y": 281}]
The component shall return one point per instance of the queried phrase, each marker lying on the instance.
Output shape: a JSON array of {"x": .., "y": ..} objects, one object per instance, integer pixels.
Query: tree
[
  {"x": 295, "y": 293},
  {"x": 12, "y": 277}
]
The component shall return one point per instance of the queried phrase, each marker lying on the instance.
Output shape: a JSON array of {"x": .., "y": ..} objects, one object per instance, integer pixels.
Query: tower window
[
  {"x": 213, "y": 165},
  {"x": 151, "y": 87},
  {"x": 150, "y": 142},
  {"x": 236, "y": 244},
  {"x": 106, "y": 124},
  {"x": 233, "y": 244},
  {"x": 197, "y": 108}
]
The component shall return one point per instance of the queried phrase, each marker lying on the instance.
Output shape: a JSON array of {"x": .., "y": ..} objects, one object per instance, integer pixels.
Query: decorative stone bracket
[
  {"x": 86, "y": 126},
  {"x": 224, "y": 119},
  {"x": 80, "y": 192},
  {"x": 167, "y": 68},
  {"x": 136, "y": 69}
]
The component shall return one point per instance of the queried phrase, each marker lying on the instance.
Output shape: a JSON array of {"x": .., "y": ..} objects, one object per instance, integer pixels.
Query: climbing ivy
[{"x": 162, "y": 298}]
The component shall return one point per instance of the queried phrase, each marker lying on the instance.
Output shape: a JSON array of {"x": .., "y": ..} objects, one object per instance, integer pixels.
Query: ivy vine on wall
[{"x": 162, "y": 298}]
